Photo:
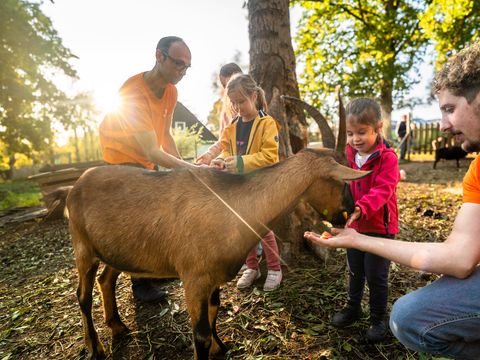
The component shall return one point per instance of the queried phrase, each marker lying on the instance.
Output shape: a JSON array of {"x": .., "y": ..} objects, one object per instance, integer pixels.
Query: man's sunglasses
[{"x": 179, "y": 64}]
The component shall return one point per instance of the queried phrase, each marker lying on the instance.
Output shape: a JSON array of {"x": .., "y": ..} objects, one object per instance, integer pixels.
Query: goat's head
[{"x": 329, "y": 193}]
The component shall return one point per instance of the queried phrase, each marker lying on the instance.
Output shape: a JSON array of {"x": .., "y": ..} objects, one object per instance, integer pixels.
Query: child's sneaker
[
  {"x": 274, "y": 278},
  {"x": 242, "y": 269},
  {"x": 248, "y": 277}
]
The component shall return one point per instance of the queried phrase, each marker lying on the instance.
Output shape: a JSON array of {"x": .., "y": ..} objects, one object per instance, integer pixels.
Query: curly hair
[{"x": 461, "y": 74}]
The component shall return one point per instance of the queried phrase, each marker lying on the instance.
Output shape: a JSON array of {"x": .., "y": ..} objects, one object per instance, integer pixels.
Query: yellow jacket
[{"x": 262, "y": 147}]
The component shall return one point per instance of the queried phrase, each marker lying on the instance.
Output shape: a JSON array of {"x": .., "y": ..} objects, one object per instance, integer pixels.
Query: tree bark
[
  {"x": 386, "y": 104},
  {"x": 272, "y": 65}
]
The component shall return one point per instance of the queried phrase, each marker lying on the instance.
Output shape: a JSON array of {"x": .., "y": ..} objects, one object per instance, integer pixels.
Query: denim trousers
[{"x": 442, "y": 318}]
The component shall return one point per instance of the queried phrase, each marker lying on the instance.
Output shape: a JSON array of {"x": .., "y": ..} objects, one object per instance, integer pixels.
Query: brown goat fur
[{"x": 198, "y": 225}]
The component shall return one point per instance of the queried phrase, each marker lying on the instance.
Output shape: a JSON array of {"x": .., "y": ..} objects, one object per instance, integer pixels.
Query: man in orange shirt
[
  {"x": 138, "y": 134},
  {"x": 442, "y": 318}
]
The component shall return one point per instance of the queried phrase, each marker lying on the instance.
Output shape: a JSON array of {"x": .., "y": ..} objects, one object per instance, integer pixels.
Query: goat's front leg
[
  {"x": 197, "y": 297},
  {"x": 218, "y": 348},
  {"x": 107, "y": 281}
]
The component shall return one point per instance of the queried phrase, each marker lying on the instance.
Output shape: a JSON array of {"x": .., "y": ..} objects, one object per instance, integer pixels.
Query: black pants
[{"x": 375, "y": 270}]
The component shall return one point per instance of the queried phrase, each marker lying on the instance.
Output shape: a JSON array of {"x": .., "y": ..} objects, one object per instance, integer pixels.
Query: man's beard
[{"x": 471, "y": 146}]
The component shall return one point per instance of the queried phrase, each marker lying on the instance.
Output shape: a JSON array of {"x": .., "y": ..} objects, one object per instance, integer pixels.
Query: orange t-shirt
[
  {"x": 140, "y": 111},
  {"x": 471, "y": 183}
]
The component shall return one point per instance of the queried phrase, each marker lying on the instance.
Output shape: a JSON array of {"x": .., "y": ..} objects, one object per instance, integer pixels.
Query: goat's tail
[{"x": 56, "y": 202}]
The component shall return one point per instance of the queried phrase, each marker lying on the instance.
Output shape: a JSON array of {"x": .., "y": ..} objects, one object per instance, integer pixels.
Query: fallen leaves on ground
[{"x": 40, "y": 316}]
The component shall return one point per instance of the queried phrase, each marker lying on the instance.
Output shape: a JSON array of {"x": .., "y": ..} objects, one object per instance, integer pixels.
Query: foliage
[
  {"x": 18, "y": 194},
  {"x": 213, "y": 120},
  {"x": 367, "y": 47},
  {"x": 31, "y": 54},
  {"x": 79, "y": 112},
  {"x": 451, "y": 25},
  {"x": 187, "y": 141},
  {"x": 374, "y": 47}
]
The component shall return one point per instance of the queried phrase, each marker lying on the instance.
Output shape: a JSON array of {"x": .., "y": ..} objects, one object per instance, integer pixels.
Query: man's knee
[{"x": 404, "y": 321}]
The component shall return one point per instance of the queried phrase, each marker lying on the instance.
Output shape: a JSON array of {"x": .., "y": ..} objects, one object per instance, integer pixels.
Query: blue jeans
[{"x": 442, "y": 318}]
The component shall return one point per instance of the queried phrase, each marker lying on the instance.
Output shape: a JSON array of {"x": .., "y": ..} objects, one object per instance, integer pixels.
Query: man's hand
[{"x": 342, "y": 238}]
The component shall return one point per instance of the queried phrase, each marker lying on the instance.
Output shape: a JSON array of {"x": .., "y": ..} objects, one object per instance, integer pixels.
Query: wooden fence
[{"x": 424, "y": 138}]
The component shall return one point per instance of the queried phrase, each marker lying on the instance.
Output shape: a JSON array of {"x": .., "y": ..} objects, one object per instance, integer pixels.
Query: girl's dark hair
[
  {"x": 365, "y": 111},
  {"x": 165, "y": 43},
  {"x": 229, "y": 69}
]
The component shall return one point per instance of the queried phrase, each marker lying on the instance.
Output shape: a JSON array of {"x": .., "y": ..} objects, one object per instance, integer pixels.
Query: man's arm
[
  {"x": 147, "y": 140},
  {"x": 457, "y": 256},
  {"x": 169, "y": 145}
]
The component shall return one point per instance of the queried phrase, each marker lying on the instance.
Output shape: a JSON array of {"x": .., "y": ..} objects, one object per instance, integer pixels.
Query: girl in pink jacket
[{"x": 375, "y": 214}]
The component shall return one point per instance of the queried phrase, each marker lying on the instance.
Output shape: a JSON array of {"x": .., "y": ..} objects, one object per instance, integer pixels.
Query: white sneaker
[
  {"x": 242, "y": 269},
  {"x": 274, "y": 278},
  {"x": 247, "y": 279}
]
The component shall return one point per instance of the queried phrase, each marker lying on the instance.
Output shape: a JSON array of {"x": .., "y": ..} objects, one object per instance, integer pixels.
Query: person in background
[
  {"x": 248, "y": 143},
  {"x": 226, "y": 72},
  {"x": 442, "y": 318},
  {"x": 402, "y": 136},
  {"x": 139, "y": 133}
]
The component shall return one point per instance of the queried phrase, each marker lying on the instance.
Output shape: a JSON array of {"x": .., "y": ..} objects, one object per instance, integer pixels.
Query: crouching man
[{"x": 442, "y": 318}]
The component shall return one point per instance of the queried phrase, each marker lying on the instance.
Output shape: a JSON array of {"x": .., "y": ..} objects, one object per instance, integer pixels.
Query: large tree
[
  {"x": 31, "y": 55},
  {"x": 451, "y": 25},
  {"x": 273, "y": 66},
  {"x": 369, "y": 47}
]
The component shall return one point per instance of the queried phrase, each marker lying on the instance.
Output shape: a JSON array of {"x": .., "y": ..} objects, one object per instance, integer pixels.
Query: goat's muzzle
[{"x": 348, "y": 205}]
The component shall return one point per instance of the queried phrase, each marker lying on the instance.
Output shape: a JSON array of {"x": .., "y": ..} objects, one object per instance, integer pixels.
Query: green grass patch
[{"x": 19, "y": 194}]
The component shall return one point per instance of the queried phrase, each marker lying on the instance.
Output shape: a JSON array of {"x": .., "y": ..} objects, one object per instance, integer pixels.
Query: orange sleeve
[{"x": 471, "y": 183}]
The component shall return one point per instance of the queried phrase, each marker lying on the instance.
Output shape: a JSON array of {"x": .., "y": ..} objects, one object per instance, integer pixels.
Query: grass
[{"x": 19, "y": 194}]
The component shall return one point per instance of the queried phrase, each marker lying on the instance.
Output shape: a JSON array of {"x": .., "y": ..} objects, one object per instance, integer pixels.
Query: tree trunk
[
  {"x": 272, "y": 65},
  {"x": 386, "y": 102},
  {"x": 11, "y": 165}
]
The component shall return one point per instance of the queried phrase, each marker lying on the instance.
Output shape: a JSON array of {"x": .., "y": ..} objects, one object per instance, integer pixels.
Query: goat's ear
[{"x": 341, "y": 172}]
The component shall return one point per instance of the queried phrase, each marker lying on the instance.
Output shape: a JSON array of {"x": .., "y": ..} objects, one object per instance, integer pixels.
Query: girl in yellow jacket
[{"x": 248, "y": 143}]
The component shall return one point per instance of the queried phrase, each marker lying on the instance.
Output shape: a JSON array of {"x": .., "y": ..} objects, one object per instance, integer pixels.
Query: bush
[
  {"x": 19, "y": 194},
  {"x": 187, "y": 141}
]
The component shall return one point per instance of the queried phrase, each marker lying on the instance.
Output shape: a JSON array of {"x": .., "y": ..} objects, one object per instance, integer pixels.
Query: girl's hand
[
  {"x": 204, "y": 159},
  {"x": 218, "y": 164},
  {"x": 342, "y": 238},
  {"x": 231, "y": 163},
  {"x": 357, "y": 214}
]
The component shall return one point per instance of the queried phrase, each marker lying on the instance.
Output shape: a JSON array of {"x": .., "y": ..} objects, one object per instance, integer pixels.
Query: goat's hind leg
[
  {"x": 107, "y": 281},
  {"x": 218, "y": 348},
  {"x": 197, "y": 298},
  {"x": 86, "y": 274}
]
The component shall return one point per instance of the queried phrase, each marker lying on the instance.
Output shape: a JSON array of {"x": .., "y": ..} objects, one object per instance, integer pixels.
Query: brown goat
[{"x": 197, "y": 225}]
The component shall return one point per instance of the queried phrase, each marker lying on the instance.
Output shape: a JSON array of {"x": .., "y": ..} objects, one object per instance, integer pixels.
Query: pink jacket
[{"x": 376, "y": 193}]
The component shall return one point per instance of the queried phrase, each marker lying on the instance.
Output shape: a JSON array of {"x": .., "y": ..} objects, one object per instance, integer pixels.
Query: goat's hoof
[
  {"x": 100, "y": 355},
  {"x": 119, "y": 331}
]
